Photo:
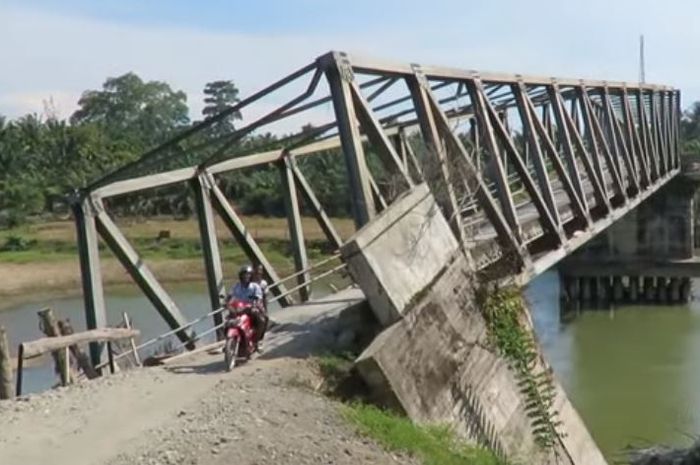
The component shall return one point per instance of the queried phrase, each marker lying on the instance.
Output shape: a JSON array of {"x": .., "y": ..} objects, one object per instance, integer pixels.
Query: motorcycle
[{"x": 239, "y": 332}]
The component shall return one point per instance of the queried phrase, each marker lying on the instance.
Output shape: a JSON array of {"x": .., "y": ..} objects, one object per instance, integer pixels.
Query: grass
[
  {"x": 55, "y": 240},
  {"x": 431, "y": 445}
]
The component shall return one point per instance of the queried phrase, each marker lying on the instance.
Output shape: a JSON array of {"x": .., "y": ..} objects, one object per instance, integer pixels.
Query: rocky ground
[{"x": 192, "y": 412}]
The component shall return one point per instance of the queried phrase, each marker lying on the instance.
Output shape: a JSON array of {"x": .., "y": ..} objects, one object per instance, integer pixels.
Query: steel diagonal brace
[
  {"x": 246, "y": 242},
  {"x": 537, "y": 127},
  {"x": 376, "y": 135},
  {"x": 546, "y": 218},
  {"x": 526, "y": 115},
  {"x": 596, "y": 139},
  {"x": 507, "y": 238},
  {"x": 420, "y": 93},
  {"x": 634, "y": 141},
  {"x": 505, "y": 196}
]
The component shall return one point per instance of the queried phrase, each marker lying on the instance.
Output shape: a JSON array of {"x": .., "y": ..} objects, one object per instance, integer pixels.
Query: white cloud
[{"x": 48, "y": 55}]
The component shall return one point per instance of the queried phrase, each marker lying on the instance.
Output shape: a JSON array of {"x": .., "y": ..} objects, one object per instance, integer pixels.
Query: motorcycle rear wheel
[{"x": 231, "y": 352}]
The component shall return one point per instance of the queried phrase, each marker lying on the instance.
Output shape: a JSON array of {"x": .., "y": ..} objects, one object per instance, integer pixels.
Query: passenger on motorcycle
[
  {"x": 258, "y": 277},
  {"x": 250, "y": 292}
]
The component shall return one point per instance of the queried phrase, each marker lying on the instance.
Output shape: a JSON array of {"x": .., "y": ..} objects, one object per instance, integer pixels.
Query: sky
[{"x": 53, "y": 50}]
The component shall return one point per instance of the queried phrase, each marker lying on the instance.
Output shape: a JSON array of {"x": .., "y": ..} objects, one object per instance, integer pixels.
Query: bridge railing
[{"x": 314, "y": 273}]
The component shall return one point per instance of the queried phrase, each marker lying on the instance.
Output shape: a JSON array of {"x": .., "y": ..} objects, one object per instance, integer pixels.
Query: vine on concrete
[{"x": 504, "y": 311}]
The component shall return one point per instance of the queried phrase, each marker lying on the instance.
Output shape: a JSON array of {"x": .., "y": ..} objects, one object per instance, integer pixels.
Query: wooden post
[
  {"x": 6, "y": 391},
  {"x": 127, "y": 323},
  {"x": 20, "y": 366},
  {"x": 81, "y": 357},
  {"x": 110, "y": 356},
  {"x": 49, "y": 326}
]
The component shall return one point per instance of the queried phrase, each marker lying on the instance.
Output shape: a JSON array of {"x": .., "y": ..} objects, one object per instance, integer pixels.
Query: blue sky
[{"x": 56, "y": 49}]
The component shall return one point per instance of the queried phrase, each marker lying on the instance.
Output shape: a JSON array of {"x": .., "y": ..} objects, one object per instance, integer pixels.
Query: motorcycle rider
[{"x": 250, "y": 292}]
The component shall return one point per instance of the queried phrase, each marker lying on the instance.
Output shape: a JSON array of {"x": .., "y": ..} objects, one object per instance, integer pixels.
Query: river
[{"x": 631, "y": 372}]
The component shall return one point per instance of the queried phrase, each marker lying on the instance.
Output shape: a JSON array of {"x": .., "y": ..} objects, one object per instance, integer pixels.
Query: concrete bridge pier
[
  {"x": 618, "y": 289},
  {"x": 434, "y": 359},
  {"x": 686, "y": 288},
  {"x": 633, "y": 289},
  {"x": 661, "y": 290},
  {"x": 586, "y": 289},
  {"x": 654, "y": 242},
  {"x": 674, "y": 290},
  {"x": 649, "y": 289}
]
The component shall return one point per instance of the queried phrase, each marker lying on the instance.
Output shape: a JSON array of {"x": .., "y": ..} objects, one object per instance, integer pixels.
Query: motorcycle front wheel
[{"x": 231, "y": 352}]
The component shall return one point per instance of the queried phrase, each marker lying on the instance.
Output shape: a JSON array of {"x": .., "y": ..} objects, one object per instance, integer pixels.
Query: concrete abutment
[{"x": 434, "y": 359}]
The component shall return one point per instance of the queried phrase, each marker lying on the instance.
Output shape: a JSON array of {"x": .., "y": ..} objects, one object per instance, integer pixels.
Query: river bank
[
  {"x": 37, "y": 281},
  {"x": 40, "y": 259}
]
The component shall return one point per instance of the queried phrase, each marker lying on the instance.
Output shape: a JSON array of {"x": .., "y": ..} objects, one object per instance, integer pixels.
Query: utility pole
[{"x": 642, "y": 78}]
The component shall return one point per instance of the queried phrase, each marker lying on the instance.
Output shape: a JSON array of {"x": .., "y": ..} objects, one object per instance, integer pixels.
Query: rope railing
[
  {"x": 307, "y": 282},
  {"x": 210, "y": 314},
  {"x": 305, "y": 270}
]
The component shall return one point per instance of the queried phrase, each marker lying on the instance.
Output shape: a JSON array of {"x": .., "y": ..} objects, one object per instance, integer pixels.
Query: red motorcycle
[{"x": 240, "y": 333}]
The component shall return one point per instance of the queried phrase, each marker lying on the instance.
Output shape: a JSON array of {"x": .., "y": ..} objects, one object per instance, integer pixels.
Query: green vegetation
[
  {"x": 690, "y": 129},
  {"x": 504, "y": 311},
  {"x": 43, "y": 159},
  {"x": 431, "y": 445},
  {"x": 51, "y": 242}
]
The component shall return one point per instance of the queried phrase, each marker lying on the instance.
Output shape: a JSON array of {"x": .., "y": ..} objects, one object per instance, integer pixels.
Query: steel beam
[
  {"x": 315, "y": 206},
  {"x": 442, "y": 186},
  {"x": 370, "y": 65},
  {"x": 635, "y": 142},
  {"x": 505, "y": 196},
  {"x": 565, "y": 141},
  {"x": 599, "y": 144},
  {"x": 246, "y": 242},
  {"x": 506, "y": 237},
  {"x": 646, "y": 135},
  {"x": 618, "y": 143},
  {"x": 377, "y": 137},
  {"x": 142, "y": 276},
  {"x": 210, "y": 244},
  {"x": 296, "y": 231},
  {"x": 530, "y": 133},
  {"x": 546, "y": 217},
  {"x": 339, "y": 74},
  {"x": 91, "y": 276},
  {"x": 578, "y": 204}
]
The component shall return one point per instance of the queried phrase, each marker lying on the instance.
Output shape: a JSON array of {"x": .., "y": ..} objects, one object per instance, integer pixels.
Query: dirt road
[{"x": 193, "y": 412}]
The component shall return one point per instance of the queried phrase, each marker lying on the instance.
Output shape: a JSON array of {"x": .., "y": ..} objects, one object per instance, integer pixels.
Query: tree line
[{"x": 42, "y": 159}]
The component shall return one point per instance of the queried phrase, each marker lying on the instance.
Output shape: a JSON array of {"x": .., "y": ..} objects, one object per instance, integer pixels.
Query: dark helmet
[{"x": 247, "y": 269}]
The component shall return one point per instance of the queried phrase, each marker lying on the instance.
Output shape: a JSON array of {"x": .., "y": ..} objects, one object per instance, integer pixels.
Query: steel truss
[{"x": 522, "y": 166}]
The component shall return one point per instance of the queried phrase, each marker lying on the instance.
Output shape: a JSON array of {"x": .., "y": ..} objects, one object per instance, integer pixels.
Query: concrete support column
[
  {"x": 674, "y": 290},
  {"x": 618, "y": 289},
  {"x": 649, "y": 289},
  {"x": 586, "y": 291},
  {"x": 634, "y": 288},
  {"x": 661, "y": 291}
]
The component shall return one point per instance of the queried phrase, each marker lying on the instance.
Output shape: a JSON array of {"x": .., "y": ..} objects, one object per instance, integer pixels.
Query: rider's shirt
[
  {"x": 263, "y": 286},
  {"x": 248, "y": 293}
]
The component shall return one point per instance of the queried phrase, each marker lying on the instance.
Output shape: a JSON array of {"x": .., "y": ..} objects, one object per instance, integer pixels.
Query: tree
[
  {"x": 690, "y": 129},
  {"x": 134, "y": 114},
  {"x": 218, "y": 96}
]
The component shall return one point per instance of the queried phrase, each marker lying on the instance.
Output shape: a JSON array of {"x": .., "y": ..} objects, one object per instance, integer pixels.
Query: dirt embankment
[
  {"x": 264, "y": 413},
  {"x": 192, "y": 412},
  {"x": 21, "y": 280}
]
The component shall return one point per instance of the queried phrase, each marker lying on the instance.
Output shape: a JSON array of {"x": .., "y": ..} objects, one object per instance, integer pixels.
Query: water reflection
[{"x": 630, "y": 371}]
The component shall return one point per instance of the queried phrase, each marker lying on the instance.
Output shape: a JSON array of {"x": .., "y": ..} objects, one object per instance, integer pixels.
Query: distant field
[
  {"x": 46, "y": 252},
  {"x": 55, "y": 240}
]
